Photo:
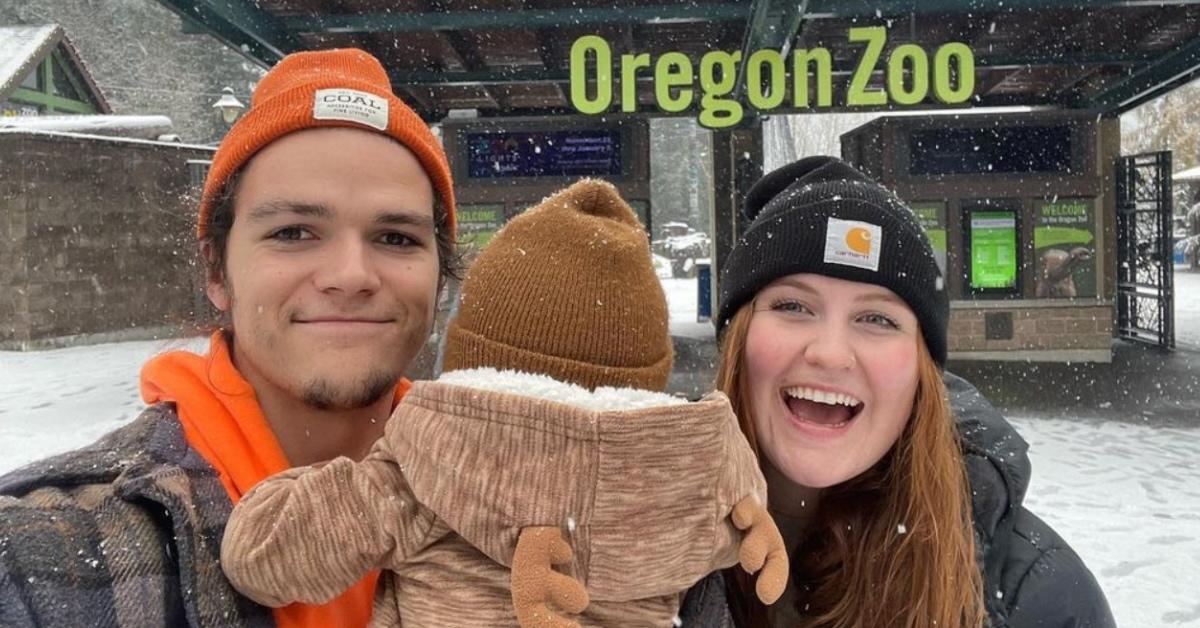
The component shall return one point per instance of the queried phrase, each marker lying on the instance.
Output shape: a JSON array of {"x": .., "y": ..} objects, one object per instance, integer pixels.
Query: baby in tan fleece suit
[{"x": 547, "y": 421}]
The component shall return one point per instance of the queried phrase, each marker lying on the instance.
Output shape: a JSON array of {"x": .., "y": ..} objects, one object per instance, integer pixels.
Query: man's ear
[{"x": 214, "y": 284}]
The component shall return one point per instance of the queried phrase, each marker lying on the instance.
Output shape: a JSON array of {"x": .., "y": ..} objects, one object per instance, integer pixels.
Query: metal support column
[{"x": 737, "y": 163}]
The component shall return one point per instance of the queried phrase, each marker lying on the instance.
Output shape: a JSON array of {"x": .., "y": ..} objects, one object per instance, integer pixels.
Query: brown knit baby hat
[{"x": 567, "y": 289}]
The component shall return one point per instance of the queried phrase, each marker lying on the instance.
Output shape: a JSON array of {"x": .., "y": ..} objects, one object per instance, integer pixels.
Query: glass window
[
  {"x": 62, "y": 83},
  {"x": 1001, "y": 149},
  {"x": 33, "y": 79}
]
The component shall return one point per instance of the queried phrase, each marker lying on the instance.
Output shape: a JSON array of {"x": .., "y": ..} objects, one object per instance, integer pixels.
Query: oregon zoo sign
[{"x": 909, "y": 71}]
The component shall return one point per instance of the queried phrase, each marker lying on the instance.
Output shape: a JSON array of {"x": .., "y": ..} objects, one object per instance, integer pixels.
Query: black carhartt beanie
[{"x": 819, "y": 215}]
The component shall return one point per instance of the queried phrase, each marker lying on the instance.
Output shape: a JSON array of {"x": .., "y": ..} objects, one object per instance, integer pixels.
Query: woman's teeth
[{"x": 821, "y": 396}]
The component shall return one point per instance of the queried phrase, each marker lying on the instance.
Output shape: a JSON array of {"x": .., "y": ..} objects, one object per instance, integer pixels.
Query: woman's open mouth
[{"x": 821, "y": 408}]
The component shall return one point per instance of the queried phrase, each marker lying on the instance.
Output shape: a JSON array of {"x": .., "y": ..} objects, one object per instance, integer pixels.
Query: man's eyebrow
[
  {"x": 404, "y": 219},
  {"x": 270, "y": 209}
]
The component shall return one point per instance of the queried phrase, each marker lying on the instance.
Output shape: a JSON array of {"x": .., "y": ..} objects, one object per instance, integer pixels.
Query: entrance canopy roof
[{"x": 511, "y": 57}]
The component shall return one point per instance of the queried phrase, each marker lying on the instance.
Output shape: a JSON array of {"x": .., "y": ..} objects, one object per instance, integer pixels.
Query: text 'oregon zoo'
[{"x": 910, "y": 76}]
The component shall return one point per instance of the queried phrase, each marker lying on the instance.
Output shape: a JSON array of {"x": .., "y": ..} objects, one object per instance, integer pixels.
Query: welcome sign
[{"x": 803, "y": 80}]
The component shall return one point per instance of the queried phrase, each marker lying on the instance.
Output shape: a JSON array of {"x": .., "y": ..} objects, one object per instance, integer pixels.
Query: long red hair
[{"x": 857, "y": 567}]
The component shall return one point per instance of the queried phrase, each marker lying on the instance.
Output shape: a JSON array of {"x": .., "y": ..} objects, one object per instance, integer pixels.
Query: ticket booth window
[
  {"x": 991, "y": 150},
  {"x": 992, "y": 249}
]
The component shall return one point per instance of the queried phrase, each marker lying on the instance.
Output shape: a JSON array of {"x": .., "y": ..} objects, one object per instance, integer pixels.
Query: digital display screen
[
  {"x": 589, "y": 152},
  {"x": 993, "y": 241}
]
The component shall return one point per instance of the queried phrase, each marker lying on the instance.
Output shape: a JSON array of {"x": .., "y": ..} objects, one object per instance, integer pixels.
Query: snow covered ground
[
  {"x": 56, "y": 400},
  {"x": 1187, "y": 307},
  {"x": 1126, "y": 496},
  {"x": 681, "y": 299}
]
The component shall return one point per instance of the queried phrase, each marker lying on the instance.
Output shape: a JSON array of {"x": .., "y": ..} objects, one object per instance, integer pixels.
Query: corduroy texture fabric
[
  {"x": 478, "y": 467},
  {"x": 790, "y": 210},
  {"x": 567, "y": 289},
  {"x": 284, "y": 102}
]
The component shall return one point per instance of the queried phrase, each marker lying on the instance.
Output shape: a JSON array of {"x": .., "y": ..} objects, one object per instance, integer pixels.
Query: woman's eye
[
  {"x": 397, "y": 239},
  {"x": 291, "y": 233},
  {"x": 879, "y": 320},
  {"x": 789, "y": 306}
]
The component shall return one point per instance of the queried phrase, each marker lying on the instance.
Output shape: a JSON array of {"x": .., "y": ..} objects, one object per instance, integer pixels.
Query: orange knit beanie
[
  {"x": 325, "y": 88},
  {"x": 567, "y": 289}
]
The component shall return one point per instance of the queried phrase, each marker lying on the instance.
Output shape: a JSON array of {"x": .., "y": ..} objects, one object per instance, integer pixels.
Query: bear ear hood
[{"x": 490, "y": 463}]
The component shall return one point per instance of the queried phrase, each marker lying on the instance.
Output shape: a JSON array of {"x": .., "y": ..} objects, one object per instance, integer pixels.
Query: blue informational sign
[{"x": 589, "y": 152}]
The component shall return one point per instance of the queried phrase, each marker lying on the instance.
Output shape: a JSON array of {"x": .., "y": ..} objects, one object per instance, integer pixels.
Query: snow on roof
[
  {"x": 144, "y": 127},
  {"x": 105, "y": 138},
  {"x": 23, "y": 47},
  {"x": 1191, "y": 175}
]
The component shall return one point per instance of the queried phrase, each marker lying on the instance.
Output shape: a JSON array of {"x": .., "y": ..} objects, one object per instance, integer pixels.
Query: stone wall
[{"x": 95, "y": 237}]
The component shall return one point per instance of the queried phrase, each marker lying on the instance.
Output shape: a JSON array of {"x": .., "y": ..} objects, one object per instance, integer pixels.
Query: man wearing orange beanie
[
  {"x": 326, "y": 229},
  {"x": 551, "y": 413}
]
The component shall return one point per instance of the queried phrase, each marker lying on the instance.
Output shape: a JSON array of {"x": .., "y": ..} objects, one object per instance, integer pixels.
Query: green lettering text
[
  {"x": 858, "y": 94},
  {"x": 579, "y": 53},
  {"x": 919, "y": 64},
  {"x": 716, "y": 111},
  {"x": 629, "y": 67},
  {"x": 801, "y": 73},
  {"x": 673, "y": 70},
  {"x": 772, "y": 97},
  {"x": 964, "y": 70}
]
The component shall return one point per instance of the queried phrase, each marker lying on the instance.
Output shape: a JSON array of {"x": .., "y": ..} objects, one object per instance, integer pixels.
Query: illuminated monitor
[
  {"x": 570, "y": 153},
  {"x": 992, "y": 246}
]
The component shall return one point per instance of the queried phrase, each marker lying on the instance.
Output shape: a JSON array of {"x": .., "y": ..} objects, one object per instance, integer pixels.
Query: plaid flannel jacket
[{"x": 124, "y": 532}]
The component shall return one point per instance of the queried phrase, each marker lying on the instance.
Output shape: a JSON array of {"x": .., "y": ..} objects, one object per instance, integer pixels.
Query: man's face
[{"x": 331, "y": 270}]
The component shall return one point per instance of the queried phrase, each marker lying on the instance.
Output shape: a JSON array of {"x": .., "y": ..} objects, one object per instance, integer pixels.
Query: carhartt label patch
[
  {"x": 351, "y": 105},
  {"x": 853, "y": 243}
]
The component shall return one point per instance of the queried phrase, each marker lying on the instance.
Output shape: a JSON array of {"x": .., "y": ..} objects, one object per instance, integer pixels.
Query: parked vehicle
[{"x": 682, "y": 245}]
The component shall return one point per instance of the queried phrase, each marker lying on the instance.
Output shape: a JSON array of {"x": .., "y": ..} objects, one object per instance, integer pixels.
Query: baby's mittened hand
[
  {"x": 762, "y": 548},
  {"x": 534, "y": 583}
]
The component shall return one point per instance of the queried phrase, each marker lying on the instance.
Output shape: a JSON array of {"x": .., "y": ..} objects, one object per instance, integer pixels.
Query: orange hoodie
[{"x": 223, "y": 422}]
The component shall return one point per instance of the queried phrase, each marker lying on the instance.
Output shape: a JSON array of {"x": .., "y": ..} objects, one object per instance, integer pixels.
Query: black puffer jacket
[{"x": 1032, "y": 578}]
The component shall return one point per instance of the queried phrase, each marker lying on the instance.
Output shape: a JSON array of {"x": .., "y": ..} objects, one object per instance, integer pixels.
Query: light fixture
[{"x": 228, "y": 106}]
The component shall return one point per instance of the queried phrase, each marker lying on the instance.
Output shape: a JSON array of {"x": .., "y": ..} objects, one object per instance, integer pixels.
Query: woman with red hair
[{"x": 896, "y": 510}]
